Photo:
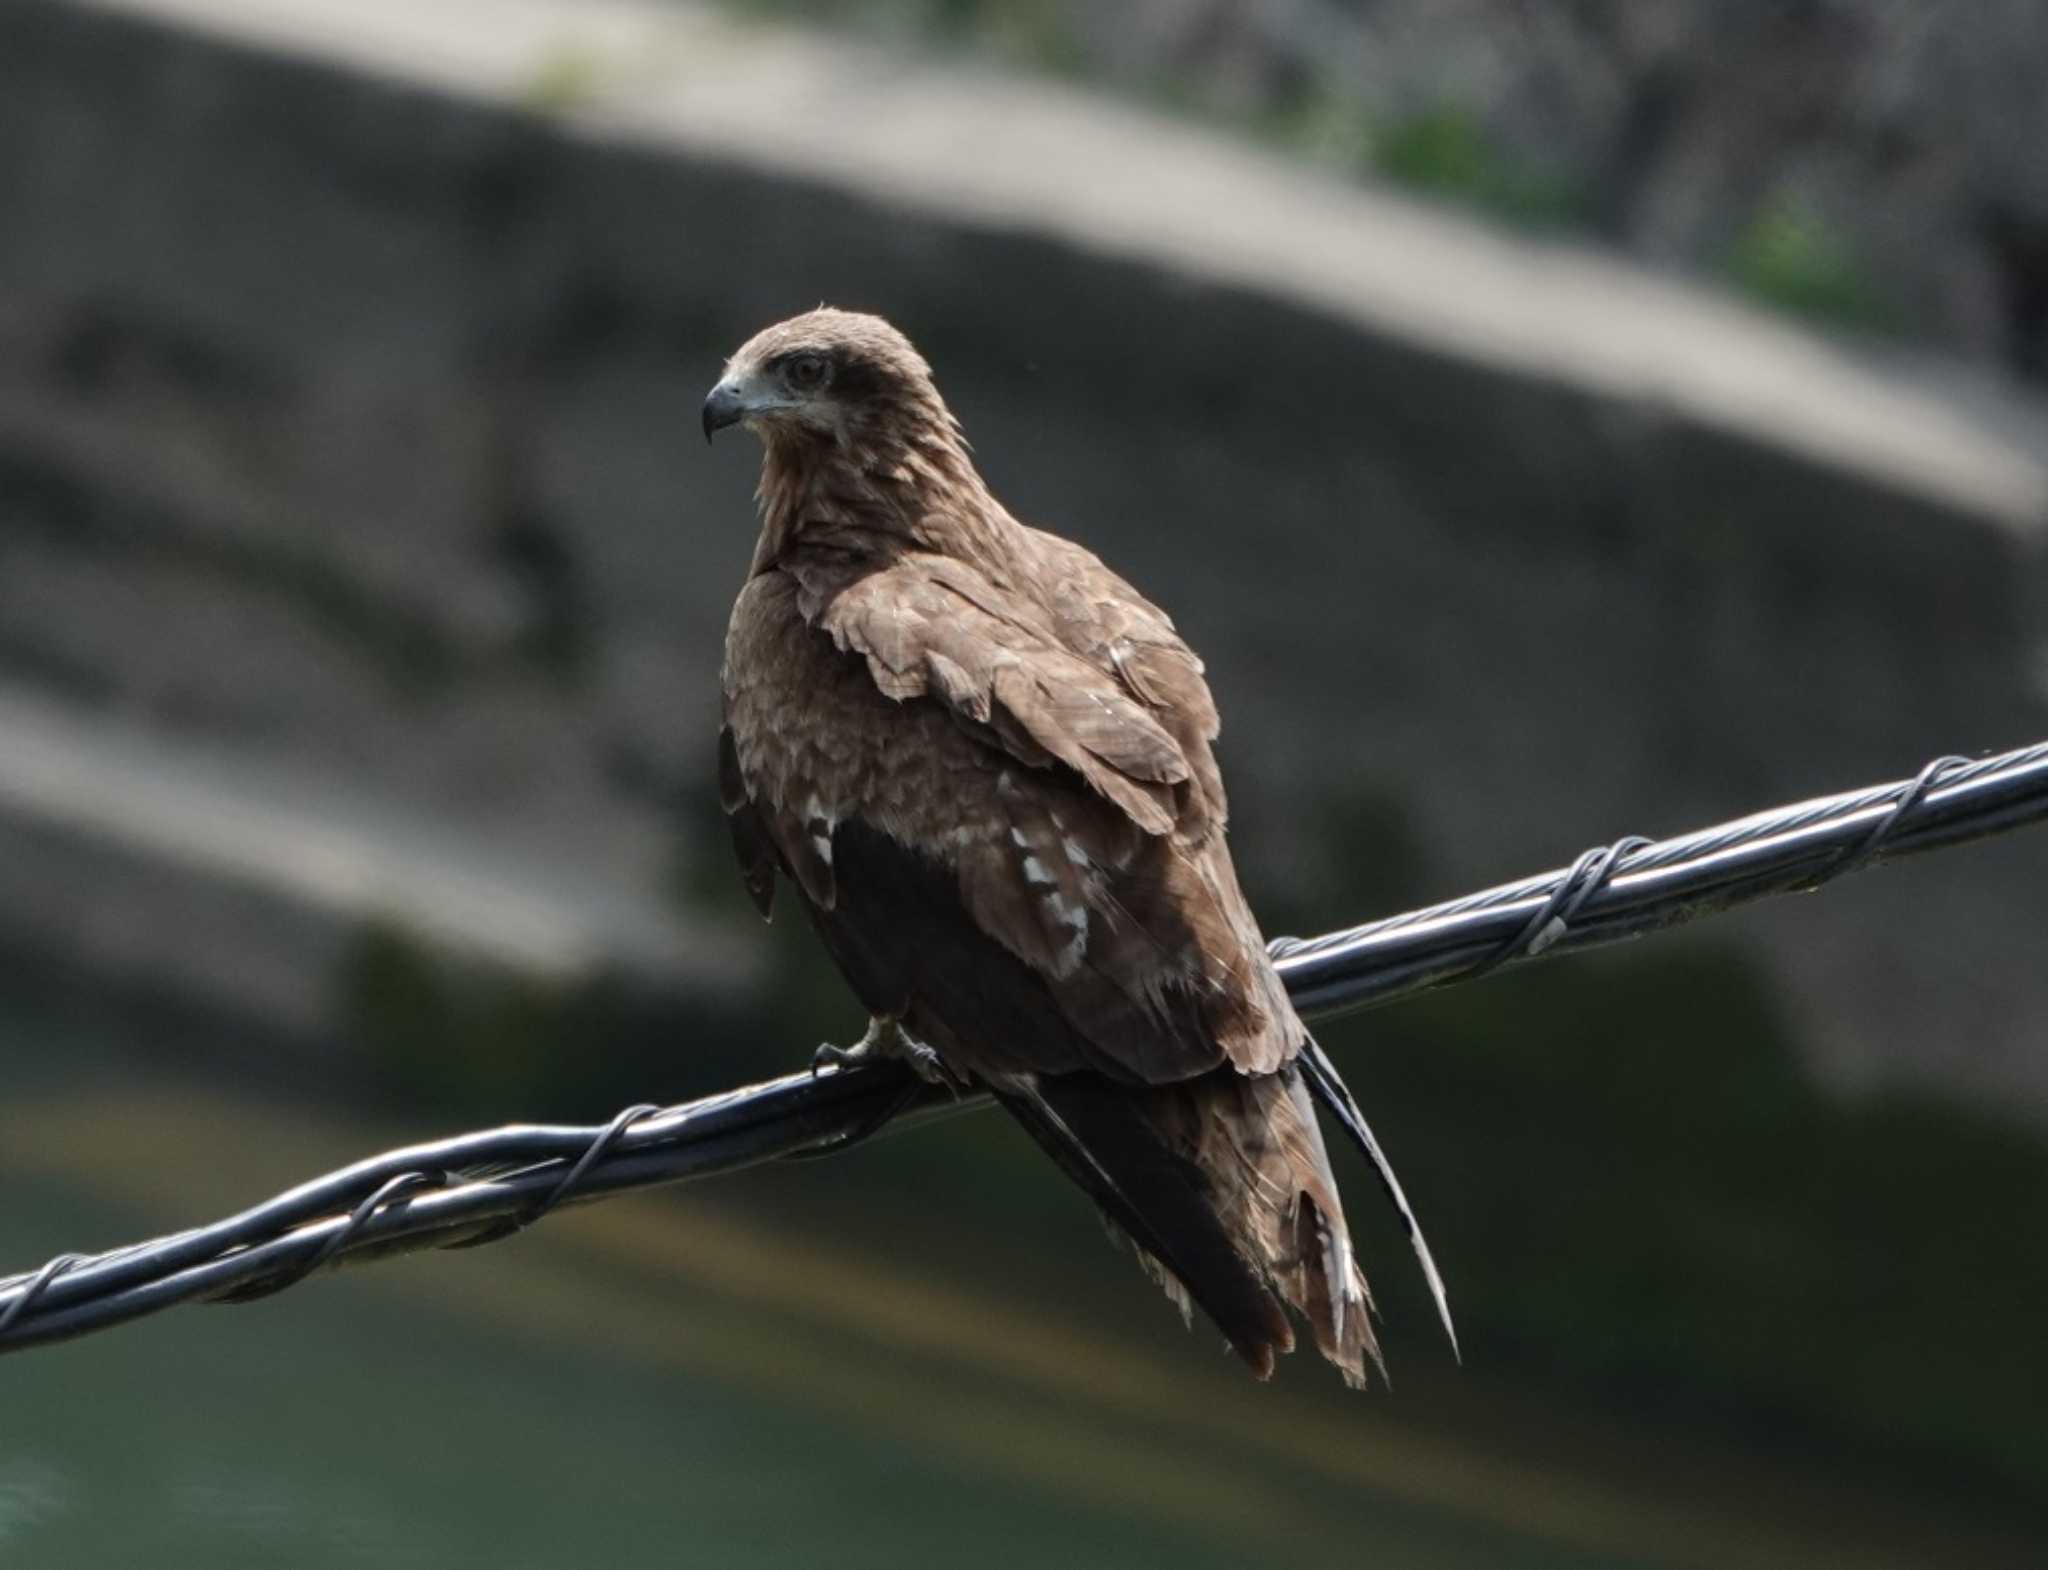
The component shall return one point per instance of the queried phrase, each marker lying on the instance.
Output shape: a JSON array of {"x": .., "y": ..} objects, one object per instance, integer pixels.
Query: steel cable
[{"x": 475, "y": 1188}]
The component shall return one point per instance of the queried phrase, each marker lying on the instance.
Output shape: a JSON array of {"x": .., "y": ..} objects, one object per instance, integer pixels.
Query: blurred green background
[{"x": 360, "y": 603}]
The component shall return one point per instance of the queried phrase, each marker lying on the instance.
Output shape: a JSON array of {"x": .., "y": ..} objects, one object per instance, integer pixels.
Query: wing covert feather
[{"x": 930, "y": 626}]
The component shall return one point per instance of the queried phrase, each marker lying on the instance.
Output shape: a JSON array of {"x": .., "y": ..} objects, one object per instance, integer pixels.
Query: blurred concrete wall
[
  {"x": 346, "y": 445},
  {"x": 1867, "y": 160}
]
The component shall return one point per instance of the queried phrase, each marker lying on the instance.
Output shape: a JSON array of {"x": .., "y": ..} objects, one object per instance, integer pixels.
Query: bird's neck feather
[{"x": 906, "y": 482}]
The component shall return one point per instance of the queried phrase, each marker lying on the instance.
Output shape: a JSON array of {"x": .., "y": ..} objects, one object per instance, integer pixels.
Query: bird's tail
[{"x": 1223, "y": 1186}]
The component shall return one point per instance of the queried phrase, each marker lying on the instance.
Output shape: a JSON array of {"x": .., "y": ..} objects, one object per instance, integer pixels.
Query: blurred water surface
[
  {"x": 669, "y": 1375},
  {"x": 552, "y": 1404}
]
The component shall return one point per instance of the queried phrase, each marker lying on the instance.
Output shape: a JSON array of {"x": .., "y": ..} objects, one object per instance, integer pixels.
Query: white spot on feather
[
  {"x": 1035, "y": 873},
  {"x": 1336, "y": 1273},
  {"x": 821, "y": 824},
  {"x": 1072, "y": 915},
  {"x": 1167, "y": 1282}
]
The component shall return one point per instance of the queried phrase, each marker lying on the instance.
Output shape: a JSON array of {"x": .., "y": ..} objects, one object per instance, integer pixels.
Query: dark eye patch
[{"x": 854, "y": 377}]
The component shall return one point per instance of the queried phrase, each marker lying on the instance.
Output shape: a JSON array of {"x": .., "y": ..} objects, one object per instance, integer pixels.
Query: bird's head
[{"x": 829, "y": 373}]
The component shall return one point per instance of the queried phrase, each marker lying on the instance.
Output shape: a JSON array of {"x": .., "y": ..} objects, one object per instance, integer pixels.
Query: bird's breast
[{"x": 818, "y": 743}]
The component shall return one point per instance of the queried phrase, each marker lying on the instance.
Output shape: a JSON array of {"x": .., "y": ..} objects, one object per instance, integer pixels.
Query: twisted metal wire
[
  {"x": 1635, "y": 886},
  {"x": 476, "y": 1188}
]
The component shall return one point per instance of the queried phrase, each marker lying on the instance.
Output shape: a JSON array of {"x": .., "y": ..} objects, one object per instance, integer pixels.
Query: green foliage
[
  {"x": 564, "y": 79},
  {"x": 1031, "y": 33},
  {"x": 1445, "y": 152},
  {"x": 1792, "y": 258},
  {"x": 466, "y": 1042},
  {"x": 437, "y": 1038}
]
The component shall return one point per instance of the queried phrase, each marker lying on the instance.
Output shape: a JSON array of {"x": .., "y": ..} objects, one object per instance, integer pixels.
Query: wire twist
[
  {"x": 1872, "y": 844},
  {"x": 38, "y": 1284},
  {"x": 388, "y": 1195},
  {"x": 570, "y": 1181}
]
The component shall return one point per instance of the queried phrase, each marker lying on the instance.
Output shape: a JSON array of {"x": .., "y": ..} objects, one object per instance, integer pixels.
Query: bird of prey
[{"x": 984, "y": 762}]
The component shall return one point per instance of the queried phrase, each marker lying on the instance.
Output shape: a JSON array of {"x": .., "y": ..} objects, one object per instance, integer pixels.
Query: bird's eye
[{"x": 806, "y": 372}]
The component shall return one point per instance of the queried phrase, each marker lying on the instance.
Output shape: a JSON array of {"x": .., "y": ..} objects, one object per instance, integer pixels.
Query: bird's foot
[
  {"x": 882, "y": 1040},
  {"x": 928, "y": 1066},
  {"x": 886, "y": 1038},
  {"x": 833, "y": 1056}
]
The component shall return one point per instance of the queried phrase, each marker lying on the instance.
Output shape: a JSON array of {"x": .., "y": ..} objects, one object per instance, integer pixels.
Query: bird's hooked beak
[{"x": 724, "y": 405}]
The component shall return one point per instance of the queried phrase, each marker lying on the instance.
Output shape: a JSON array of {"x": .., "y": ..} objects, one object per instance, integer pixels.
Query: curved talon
[
  {"x": 831, "y": 1055},
  {"x": 926, "y": 1064}
]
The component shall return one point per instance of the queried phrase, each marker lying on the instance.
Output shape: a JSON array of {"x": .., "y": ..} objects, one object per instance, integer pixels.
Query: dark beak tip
[{"x": 722, "y": 407}]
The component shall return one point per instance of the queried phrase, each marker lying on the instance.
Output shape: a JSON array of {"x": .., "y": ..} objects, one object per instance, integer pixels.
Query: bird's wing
[
  {"x": 1108, "y": 877},
  {"x": 932, "y": 626},
  {"x": 751, "y": 842}
]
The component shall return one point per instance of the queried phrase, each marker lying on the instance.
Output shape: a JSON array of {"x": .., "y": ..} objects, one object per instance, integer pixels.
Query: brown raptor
[{"x": 985, "y": 763}]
